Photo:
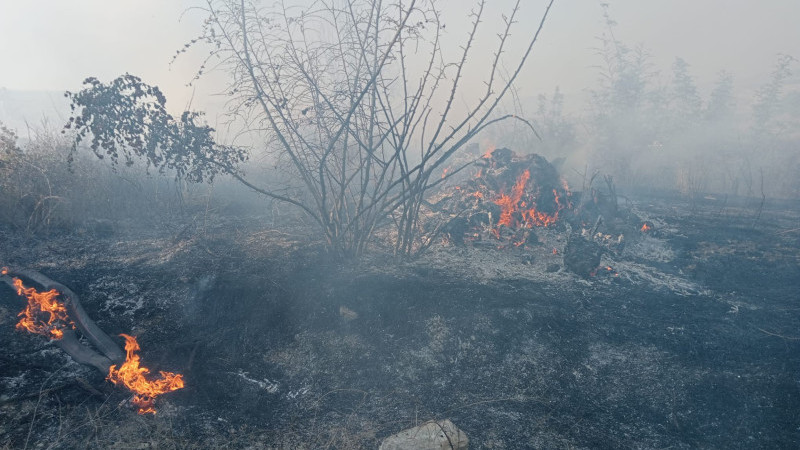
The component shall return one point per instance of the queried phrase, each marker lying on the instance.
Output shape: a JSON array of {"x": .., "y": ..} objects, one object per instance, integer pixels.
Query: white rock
[{"x": 439, "y": 435}]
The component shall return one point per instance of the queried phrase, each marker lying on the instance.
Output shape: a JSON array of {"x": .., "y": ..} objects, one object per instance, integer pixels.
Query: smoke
[{"x": 655, "y": 127}]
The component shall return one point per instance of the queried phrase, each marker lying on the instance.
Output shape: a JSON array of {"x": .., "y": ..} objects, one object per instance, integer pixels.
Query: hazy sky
[{"x": 55, "y": 44}]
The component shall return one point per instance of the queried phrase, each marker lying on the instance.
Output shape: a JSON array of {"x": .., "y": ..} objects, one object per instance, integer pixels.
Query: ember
[
  {"x": 604, "y": 270},
  {"x": 133, "y": 376},
  {"x": 44, "y": 314}
]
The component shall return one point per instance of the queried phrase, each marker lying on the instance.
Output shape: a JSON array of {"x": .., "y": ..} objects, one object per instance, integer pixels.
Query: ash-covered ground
[{"x": 690, "y": 340}]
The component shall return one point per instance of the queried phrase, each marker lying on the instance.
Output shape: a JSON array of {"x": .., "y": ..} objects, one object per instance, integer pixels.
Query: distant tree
[
  {"x": 769, "y": 107},
  {"x": 685, "y": 102},
  {"x": 626, "y": 108},
  {"x": 774, "y": 132},
  {"x": 557, "y": 129},
  {"x": 721, "y": 102}
]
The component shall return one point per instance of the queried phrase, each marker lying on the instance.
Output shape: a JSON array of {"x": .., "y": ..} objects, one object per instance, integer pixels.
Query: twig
[
  {"x": 788, "y": 338},
  {"x": 37, "y": 394},
  {"x": 42, "y": 392},
  {"x": 596, "y": 225}
]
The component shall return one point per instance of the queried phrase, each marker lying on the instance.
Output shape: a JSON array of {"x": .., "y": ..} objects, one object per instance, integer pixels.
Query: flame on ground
[
  {"x": 44, "y": 314},
  {"x": 645, "y": 228},
  {"x": 134, "y": 377},
  {"x": 608, "y": 269}
]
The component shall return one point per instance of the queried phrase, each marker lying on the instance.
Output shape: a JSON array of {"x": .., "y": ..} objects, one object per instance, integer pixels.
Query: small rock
[
  {"x": 438, "y": 435},
  {"x": 347, "y": 313},
  {"x": 552, "y": 268}
]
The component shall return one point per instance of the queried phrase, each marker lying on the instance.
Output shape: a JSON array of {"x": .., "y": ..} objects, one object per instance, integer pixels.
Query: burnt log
[
  {"x": 81, "y": 353},
  {"x": 582, "y": 256},
  {"x": 111, "y": 353},
  {"x": 456, "y": 228}
]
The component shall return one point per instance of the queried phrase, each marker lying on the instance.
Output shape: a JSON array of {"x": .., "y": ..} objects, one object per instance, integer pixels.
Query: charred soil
[{"x": 691, "y": 340}]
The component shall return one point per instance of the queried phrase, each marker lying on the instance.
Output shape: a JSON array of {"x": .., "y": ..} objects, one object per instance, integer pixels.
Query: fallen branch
[
  {"x": 111, "y": 353},
  {"x": 81, "y": 353}
]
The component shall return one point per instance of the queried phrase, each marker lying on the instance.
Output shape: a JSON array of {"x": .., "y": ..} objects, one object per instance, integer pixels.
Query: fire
[
  {"x": 44, "y": 314},
  {"x": 509, "y": 204},
  {"x": 645, "y": 228},
  {"x": 444, "y": 172},
  {"x": 514, "y": 203},
  {"x": 608, "y": 269},
  {"x": 134, "y": 377}
]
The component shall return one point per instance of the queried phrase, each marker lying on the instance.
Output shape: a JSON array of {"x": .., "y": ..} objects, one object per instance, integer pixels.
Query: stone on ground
[{"x": 439, "y": 435}]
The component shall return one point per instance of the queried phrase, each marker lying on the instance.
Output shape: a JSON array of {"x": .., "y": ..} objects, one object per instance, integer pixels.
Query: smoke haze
[{"x": 51, "y": 46}]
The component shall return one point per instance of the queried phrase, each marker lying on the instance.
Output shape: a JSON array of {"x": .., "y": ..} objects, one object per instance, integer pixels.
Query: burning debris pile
[
  {"x": 521, "y": 201},
  {"x": 57, "y": 312},
  {"x": 508, "y": 198}
]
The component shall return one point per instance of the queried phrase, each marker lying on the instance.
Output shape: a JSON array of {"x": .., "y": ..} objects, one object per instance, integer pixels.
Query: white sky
[{"x": 55, "y": 44}]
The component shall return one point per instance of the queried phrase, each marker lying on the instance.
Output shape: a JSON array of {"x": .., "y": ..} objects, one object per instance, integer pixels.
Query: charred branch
[{"x": 109, "y": 354}]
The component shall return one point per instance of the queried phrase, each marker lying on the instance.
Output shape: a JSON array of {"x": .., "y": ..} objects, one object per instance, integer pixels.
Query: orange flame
[
  {"x": 510, "y": 204},
  {"x": 44, "y": 314},
  {"x": 133, "y": 376},
  {"x": 444, "y": 172},
  {"x": 645, "y": 228}
]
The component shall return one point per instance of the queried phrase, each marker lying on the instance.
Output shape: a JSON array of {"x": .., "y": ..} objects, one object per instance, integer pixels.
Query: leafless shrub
[{"x": 362, "y": 124}]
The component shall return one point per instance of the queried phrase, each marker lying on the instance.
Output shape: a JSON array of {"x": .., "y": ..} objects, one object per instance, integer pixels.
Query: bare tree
[
  {"x": 358, "y": 103},
  {"x": 361, "y": 121}
]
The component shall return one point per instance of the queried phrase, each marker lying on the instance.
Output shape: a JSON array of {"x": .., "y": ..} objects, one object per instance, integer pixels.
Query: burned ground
[{"x": 692, "y": 341}]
